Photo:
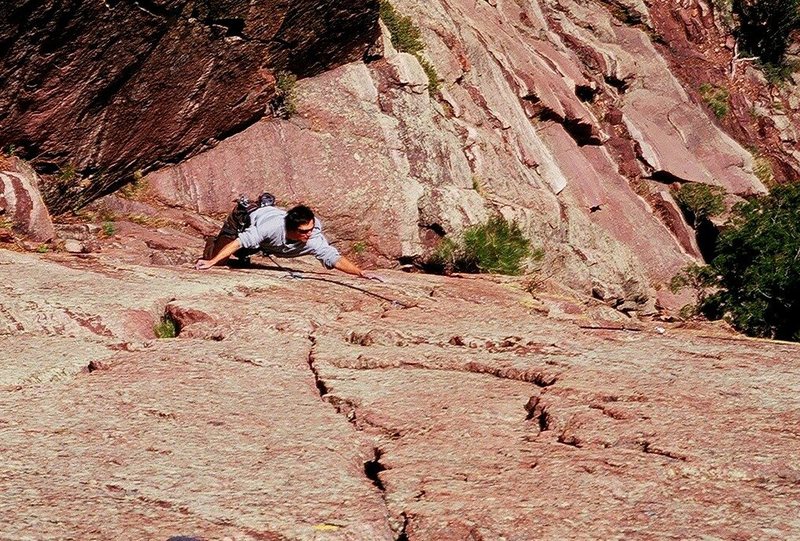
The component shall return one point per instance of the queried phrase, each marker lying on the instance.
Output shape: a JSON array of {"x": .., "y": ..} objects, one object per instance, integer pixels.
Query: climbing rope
[{"x": 296, "y": 275}]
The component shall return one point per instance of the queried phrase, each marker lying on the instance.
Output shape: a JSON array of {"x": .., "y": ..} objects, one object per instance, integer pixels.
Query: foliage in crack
[{"x": 407, "y": 38}]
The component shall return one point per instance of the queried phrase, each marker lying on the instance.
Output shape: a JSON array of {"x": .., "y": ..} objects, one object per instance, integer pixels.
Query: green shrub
[
  {"x": 359, "y": 247},
  {"x": 700, "y": 201},
  {"x": 445, "y": 256},
  {"x": 756, "y": 270},
  {"x": 688, "y": 311},
  {"x": 716, "y": 98},
  {"x": 135, "y": 188},
  {"x": 758, "y": 261},
  {"x": 284, "y": 103},
  {"x": 406, "y": 36},
  {"x": 765, "y": 27},
  {"x": 724, "y": 12},
  {"x": 166, "y": 328},
  {"x": 433, "y": 77},
  {"x": 67, "y": 173},
  {"x": 108, "y": 228},
  {"x": 478, "y": 185},
  {"x": 762, "y": 168},
  {"x": 700, "y": 278},
  {"x": 778, "y": 74},
  {"x": 497, "y": 246}
]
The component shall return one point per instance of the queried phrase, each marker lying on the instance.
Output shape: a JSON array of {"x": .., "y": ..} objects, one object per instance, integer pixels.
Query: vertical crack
[
  {"x": 402, "y": 535},
  {"x": 372, "y": 469},
  {"x": 321, "y": 387},
  {"x": 538, "y": 412}
]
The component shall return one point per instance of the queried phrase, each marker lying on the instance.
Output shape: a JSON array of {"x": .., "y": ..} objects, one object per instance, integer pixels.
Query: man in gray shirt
[{"x": 284, "y": 234}]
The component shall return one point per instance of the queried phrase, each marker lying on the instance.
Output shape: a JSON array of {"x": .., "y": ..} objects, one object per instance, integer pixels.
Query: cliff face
[
  {"x": 313, "y": 404},
  {"x": 91, "y": 92},
  {"x": 568, "y": 117},
  {"x": 573, "y": 119}
]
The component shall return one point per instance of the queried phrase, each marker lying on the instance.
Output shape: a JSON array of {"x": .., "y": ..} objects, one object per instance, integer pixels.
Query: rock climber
[{"x": 274, "y": 231}]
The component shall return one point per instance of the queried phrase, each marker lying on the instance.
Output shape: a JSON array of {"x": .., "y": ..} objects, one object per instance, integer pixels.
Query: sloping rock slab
[{"x": 422, "y": 408}]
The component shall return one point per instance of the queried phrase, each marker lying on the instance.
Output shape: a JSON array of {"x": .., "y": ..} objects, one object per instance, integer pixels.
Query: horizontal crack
[
  {"x": 539, "y": 379},
  {"x": 647, "y": 447}
]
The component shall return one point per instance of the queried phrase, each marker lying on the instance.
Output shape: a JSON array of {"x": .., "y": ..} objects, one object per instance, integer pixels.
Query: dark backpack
[
  {"x": 236, "y": 222},
  {"x": 239, "y": 218}
]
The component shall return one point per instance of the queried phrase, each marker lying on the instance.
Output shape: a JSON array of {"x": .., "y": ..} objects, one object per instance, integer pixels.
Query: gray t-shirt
[{"x": 267, "y": 232}]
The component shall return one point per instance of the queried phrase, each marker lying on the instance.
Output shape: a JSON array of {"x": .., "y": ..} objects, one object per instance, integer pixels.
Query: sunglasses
[{"x": 302, "y": 231}]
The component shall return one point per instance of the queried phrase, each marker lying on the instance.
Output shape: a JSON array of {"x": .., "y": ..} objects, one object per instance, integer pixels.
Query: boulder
[{"x": 21, "y": 207}]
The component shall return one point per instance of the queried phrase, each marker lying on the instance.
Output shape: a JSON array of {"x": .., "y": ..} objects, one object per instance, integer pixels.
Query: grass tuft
[
  {"x": 407, "y": 38},
  {"x": 497, "y": 246},
  {"x": 716, "y": 98},
  {"x": 284, "y": 103},
  {"x": 166, "y": 328}
]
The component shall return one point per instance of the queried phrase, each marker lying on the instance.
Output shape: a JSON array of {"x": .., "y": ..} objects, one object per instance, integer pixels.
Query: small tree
[
  {"x": 699, "y": 278},
  {"x": 756, "y": 270},
  {"x": 765, "y": 26},
  {"x": 758, "y": 263},
  {"x": 700, "y": 201}
]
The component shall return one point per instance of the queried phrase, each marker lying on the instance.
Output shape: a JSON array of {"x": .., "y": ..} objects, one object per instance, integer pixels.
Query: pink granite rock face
[
  {"x": 21, "y": 207},
  {"x": 702, "y": 50},
  {"x": 528, "y": 124},
  {"x": 91, "y": 93},
  {"x": 558, "y": 116},
  {"x": 336, "y": 408}
]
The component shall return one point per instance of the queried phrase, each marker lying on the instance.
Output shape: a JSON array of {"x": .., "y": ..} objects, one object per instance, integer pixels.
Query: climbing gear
[
  {"x": 239, "y": 218},
  {"x": 236, "y": 222},
  {"x": 295, "y": 275}
]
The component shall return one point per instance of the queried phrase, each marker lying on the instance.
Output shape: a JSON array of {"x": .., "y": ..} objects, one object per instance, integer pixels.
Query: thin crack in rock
[
  {"x": 539, "y": 379},
  {"x": 321, "y": 387},
  {"x": 402, "y": 535},
  {"x": 372, "y": 469},
  {"x": 647, "y": 448},
  {"x": 537, "y": 412}
]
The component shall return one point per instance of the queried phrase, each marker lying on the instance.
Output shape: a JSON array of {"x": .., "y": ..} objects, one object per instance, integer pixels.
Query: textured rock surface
[
  {"x": 556, "y": 114},
  {"x": 423, "y": 408},
  {"x": 573, "y": 118},
  {"x": 701, "y": 50},
  {"x": 22, "y": 210},
  {"x": 93, "y": 92}
]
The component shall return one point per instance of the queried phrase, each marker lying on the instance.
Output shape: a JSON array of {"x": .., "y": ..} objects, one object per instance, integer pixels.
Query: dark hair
[{"x": 297, "y": 216}]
